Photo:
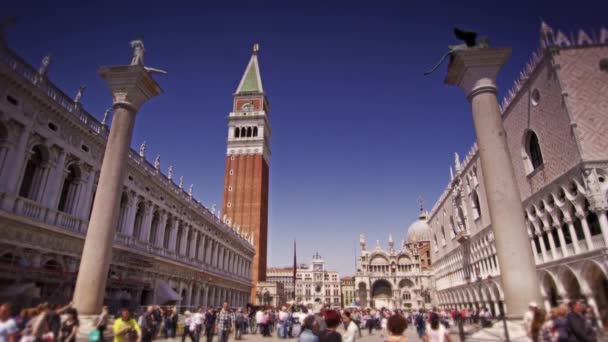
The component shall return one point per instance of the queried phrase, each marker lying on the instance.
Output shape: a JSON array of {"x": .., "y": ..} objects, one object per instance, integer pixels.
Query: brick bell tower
[{"x": 245, "y": 201}]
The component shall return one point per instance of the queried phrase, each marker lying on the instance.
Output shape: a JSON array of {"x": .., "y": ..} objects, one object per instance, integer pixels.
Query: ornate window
[
  {"x": 167, "y": 235},
  {"x": 34, "y": 171},
  {"x": 255, "y": 131},
  {"x": 139, "y": 220},
  {"x": 533, "y": 156},
  {"x": 69, "y": 190},
  {"x": 122, "y": 214},
  {"x": 237, "y": 132},
  {"x": 476, "y": 206}
]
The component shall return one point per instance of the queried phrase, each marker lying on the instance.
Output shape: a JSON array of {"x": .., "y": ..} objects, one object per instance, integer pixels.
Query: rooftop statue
[
  {"x": 80, "y": 93},
  {"x": 470, "y": 42},
  {"x": 104, "y": 120},
  {"x": 142, "y": 149},
  {"x": 157, "y": 162},
  {"x": 213, "y": 208},
  {"x": 170, "y": 172},
  {"x": 44, "y": 66},
  {"x": 181, "y": 182}
]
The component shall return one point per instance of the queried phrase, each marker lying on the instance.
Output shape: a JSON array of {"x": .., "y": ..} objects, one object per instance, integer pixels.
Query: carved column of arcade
[
  {"x": 133, "y": 202},
  {"x": 582, "y": 216},
  {"x": 86, "y": 198},
  {"x": 184, "y": 241},
  {"x": 160, "y": 231},
  {"x": 546, "y": 227},
  {"x": 147, "y": 222},
  {"x": 131, "y": 86},
  {"x": 16, "y": 158},
  {"x": 57, "y": 175},
  {"x": 201, "y": 252},
  {"x": 571, "y": 230},
  {"x": 173, "y": 236},
  {"x": 475, "y": 70},
  {"x": 193, "y": 242}
]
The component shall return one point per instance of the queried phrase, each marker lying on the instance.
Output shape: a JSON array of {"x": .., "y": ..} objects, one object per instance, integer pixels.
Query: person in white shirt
[
  {"x": 8, "y": 327},
  {"x": 259, "y": 319},
  {"x": 529, "y": 317},
  {"x": 197, "y": 319},
  {"x": 283, "y": 317},
  {"x": 350, "y": 335}
]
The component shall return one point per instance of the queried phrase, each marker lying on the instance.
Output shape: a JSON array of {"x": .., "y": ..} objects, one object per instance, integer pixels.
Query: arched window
[
  {"x": 237, "y": 132},
  {"x": 69, "y": 190},
  {"x": 34, "y": 170},
  {"x": 188, "y": 242},
  {"x": 198, "y": 245},
  {"x": 139, "y": 220},
  {"x": 442, "y": 236},
  {"x": 255, "y": 131},
  {"x": 533, "y": 151},
  {"x": 154, "y": 227},
  {"x": 476, "y": 206},
  {"x": 248, "y": 132}
]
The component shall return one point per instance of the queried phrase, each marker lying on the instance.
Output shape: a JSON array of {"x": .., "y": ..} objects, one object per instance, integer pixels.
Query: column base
[
  {"x": 88, "y": 323},
  {"x": 516, "y": 330}
]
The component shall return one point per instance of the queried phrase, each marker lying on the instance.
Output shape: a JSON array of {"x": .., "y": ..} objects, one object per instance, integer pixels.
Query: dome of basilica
[{"x": 419, "y": 230}]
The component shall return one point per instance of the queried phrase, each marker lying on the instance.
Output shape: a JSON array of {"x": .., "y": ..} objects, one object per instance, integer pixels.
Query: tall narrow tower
[{"x": 245, "y": 201}]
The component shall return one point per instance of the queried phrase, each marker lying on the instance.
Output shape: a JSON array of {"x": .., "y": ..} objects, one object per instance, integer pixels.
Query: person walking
[
  {"x": 148, "y": 325},
  {"x": 69, "y": 327},
  {"x": 396, "y": 325},
  {"x": 350, "y": 327},
  {"x": 420, "y": 323},
  {"x": 437, "y": 332},
  {"x": 189, "y": 327},
  {"x": 8, "y": 327},
  {"x": 259, "y": 321},
  {"x": 332, "y": 320},
  {"x": 225, "y": 323},
  {"x": 239, "y": 324},
  {"x": 282, "y": 318},
  {"x": 126, "y": 328},
  {"x": 307, "y": 335},
  {"x": 580, "y": 329},
  {"x": 102, "y": 322},
  {"x": 209, "y": 323}
]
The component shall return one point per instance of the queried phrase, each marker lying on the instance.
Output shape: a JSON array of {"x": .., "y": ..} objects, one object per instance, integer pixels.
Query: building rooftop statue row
[{"x": 39, "y": 79}]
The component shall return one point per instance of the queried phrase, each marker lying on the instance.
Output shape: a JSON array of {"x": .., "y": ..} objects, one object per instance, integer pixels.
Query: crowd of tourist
[{"x": 48, "y": 323}]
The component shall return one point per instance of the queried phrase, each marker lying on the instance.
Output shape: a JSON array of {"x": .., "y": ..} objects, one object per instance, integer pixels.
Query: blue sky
[{"x": 358, "y": 131}]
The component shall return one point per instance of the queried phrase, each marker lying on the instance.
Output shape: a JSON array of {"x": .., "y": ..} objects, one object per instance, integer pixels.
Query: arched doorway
[
  {"x": 362, "y": 295},
  {"x": 550, "y": 290},
  {"x": 598, "y": 283},
  {"x": 571, "y": 284},
  {"x": 382, "y": 294}
]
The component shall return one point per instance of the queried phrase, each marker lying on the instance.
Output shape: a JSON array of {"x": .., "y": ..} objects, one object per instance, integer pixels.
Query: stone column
[
  {"x": 173, "y": 236},
  {"x": 131, "y": 86},
  {"x": 146, "y": 224},
  {"x": 573, "y": 237},
  {"x": 184, "y": 241},
  {"x": 601, "y": 216},
  {"x": 54, "y": 186},
  {"x": 160, "y": 231},
  {"x": 562, "y": 239},
  {"x": 475, "y": 71},
  {"x": 206, "y": 296},
  {"x": 583, "y": 218},
  {"x": 132, "y": 204}
]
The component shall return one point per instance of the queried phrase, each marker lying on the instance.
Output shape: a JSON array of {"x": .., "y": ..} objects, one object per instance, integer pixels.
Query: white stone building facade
[
  {"x": 395, "y": 278},
  {"x": 317, "y": 285},
  {"x": 556, "y": 121},
  {"x": 168, "y": 247}
]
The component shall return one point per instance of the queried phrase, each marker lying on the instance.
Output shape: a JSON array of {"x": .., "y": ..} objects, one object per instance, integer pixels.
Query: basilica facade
[
  {"x": 556, "y": 120},
  {"x": 396, "y": 278},
  {"x": 168, "y": 247}
]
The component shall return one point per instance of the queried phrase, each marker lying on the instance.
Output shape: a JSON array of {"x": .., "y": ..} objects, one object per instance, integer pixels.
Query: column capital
[
  {"x": 130, "y": 85},
  {"x": 475, "y": 70}
]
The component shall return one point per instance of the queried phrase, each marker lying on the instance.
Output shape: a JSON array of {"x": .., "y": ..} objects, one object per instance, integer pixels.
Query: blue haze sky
[{"x": 358, "y": 131}]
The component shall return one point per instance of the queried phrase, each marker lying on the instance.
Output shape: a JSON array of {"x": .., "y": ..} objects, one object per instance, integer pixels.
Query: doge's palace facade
[
  {"x": 168, "y": 247},
  {"x": 556, "y": 121}
]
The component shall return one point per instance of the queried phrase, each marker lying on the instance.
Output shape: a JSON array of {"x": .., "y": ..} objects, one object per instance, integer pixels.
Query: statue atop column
[
  {"x": 213, "y": 208},
  {"x": 80, "y": 93},
  {"x": 362, "y": 241},
  {"x": 181, "y": 182},
  {"x": 190, "y": 190},
  {"x": 470, "y": 42},
  {"x": 142, "y": 149},
  {"x": 138, "y": 56}
]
